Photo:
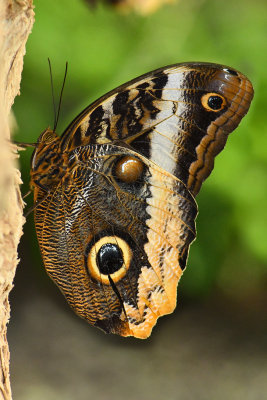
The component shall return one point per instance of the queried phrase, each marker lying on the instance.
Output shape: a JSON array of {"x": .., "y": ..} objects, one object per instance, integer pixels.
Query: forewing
[{"x": 162, "y": 116}]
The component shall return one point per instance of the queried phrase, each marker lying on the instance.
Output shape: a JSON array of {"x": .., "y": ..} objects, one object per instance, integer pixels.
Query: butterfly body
[{"x": 115, "y": 210}]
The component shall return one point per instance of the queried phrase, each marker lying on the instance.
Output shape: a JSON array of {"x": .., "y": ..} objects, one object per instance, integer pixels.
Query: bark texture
[{"x": 16, "y": 20}]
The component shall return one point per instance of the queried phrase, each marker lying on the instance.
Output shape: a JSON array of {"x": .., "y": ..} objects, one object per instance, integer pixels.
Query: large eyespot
[
  {"x": 110, "y": 257},
  {"x": 128, "y": 169},
  {"x": 213, "y": 102}
]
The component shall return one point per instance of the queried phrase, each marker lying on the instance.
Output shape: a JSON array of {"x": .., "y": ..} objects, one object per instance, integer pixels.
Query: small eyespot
[
  {"x": 213, "y": 102},
  {"x": 129, "y": 169},
  {"x": 110, "y": 257}
]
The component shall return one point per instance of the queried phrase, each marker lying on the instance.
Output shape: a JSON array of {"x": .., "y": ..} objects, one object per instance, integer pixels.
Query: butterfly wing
[
  {"x": 115, "y": 221},
  {"x": 165, "y": 115}
]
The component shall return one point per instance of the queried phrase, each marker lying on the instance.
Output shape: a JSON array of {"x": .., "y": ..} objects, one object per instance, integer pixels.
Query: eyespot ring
[
  {"x": 114, "y": 249},
  {"x": 213, "y": 102}
]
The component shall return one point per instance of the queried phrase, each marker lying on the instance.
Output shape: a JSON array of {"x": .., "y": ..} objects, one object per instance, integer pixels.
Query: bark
[{"x": 16, "y": 20}]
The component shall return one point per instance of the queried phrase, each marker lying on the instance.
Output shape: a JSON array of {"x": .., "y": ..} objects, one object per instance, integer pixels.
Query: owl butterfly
[{"x": 115, "y": 193}]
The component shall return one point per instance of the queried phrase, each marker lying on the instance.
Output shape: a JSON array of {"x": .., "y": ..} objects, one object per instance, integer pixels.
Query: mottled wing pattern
[{"x": 116, "y": 212}]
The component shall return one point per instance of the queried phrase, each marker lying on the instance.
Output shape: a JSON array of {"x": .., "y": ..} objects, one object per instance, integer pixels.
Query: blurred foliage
[
  {"x": 142, "y": 7},
  {"x": 105, "y": 49}
]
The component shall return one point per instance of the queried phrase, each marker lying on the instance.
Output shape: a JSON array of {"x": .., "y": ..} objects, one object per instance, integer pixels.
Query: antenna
[
  {"x": 56, "y": 112},
  {"x": 61, "y": 94},
  {"x": 53, "y": 94}
]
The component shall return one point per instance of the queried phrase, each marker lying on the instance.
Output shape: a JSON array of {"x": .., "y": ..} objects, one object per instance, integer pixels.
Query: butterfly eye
[
  {"x": 110, "y": 257},
  {"x": 129, "y": 169},
  {"x": 213, "y": 102}
]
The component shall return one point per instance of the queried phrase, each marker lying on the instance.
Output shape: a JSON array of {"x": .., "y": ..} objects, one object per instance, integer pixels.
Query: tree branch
[{"x": 16, "y": 20}]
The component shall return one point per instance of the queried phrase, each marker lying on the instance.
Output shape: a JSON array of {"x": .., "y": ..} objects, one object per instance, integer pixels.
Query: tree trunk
[{"x": 16, "y": 20}]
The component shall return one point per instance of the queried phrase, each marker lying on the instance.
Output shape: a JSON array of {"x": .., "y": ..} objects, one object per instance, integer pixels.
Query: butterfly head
[{"x": 45, "y": 161}]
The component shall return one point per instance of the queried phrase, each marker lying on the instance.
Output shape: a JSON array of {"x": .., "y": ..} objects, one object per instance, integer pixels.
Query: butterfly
[{"x": 115, "y": 194}]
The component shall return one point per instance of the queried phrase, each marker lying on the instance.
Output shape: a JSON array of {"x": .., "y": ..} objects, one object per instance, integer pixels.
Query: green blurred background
[{"x": 214, "y": 345}]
